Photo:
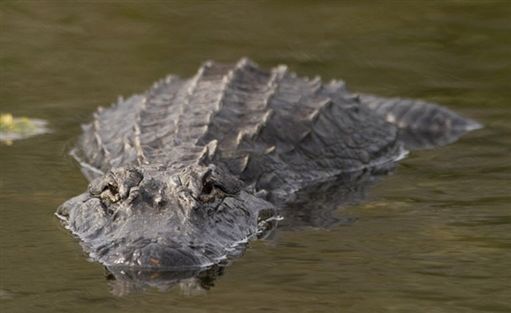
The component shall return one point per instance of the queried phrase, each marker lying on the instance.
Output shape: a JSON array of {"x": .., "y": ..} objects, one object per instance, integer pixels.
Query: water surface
[{"x": 433, "y": 237}]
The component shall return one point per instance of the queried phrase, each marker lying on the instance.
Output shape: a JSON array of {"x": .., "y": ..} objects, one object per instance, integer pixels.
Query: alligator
[{"x": 184, "y": 175}]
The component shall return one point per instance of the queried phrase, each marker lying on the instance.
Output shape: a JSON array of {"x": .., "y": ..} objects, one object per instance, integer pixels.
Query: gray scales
[{"x": 185, "y": 174}]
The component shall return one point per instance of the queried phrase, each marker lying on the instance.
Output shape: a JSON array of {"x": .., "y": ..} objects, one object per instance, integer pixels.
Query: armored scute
[{"x": 183, "y": 175}]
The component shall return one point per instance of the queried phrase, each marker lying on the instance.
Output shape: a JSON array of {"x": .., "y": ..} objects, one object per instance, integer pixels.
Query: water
[{"x": 433, "y": 237}]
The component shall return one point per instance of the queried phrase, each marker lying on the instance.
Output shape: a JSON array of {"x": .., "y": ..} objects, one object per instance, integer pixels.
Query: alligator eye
[
  {"x": 210, "y": 191},
  {"x": 112, "y": 188},
  {"x": 207, "y": 188}
]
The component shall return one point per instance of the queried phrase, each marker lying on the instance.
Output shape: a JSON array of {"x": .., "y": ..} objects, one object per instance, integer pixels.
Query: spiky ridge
[{"x": 273, "y": 129}]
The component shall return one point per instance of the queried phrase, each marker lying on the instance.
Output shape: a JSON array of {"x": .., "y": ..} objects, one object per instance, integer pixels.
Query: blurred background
[{"x": 433, "y": 237}]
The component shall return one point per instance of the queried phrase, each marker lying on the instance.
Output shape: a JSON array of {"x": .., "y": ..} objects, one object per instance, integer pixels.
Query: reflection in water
[
  {"x": 191, "y": 282},
  {"x": 317, "y": 206}
]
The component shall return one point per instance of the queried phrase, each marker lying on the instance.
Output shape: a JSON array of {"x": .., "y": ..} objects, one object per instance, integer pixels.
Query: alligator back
[{"x": 275, "y": 130}]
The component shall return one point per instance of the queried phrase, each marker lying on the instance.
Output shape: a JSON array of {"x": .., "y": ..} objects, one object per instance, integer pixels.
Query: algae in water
[{"x": 15, "y": 128}]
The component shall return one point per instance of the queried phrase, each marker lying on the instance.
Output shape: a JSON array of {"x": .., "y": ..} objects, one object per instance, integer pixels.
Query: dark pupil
[
  {"x": 113, "y": 189},
  {"x": 207, "y": 188}
]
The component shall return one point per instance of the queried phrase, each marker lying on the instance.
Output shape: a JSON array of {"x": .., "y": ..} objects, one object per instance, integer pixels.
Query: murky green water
[{"x": 433, "y": 237}]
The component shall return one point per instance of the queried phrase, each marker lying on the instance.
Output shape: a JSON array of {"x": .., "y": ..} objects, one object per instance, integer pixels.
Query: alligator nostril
[
  {"x": 107, "y": 195},
  {"x": 109, "y": 192}
]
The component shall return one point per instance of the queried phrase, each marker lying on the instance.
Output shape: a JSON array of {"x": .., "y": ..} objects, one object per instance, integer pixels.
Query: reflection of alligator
[
  {"x": 185, "y": 174},
  {"x": 192, "y": 281}
]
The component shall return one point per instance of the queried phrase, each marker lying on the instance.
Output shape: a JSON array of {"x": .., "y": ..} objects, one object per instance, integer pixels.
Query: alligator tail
[{"x": 422, "y": 124}]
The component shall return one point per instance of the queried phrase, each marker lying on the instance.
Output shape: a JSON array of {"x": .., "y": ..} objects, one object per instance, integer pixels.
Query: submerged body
[{"x": 184, "y": 174}]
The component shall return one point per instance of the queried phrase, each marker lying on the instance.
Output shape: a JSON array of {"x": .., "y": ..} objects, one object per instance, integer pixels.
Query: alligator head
[{"x": 161, "y": 217}]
